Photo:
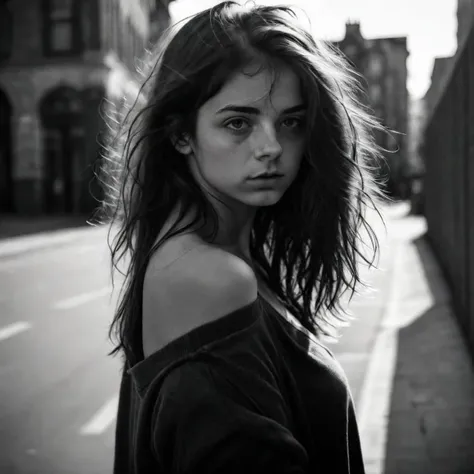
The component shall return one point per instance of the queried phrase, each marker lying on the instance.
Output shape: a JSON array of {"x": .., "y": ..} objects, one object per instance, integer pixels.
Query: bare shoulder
[{"x": 200, "y": 285}]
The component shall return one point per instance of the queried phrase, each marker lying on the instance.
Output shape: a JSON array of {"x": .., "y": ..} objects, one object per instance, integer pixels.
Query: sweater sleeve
[{"x": 199, "y": 425}]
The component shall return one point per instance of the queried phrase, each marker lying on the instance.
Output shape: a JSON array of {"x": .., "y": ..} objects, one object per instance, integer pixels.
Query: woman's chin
[{"x": 266, "y": 198}]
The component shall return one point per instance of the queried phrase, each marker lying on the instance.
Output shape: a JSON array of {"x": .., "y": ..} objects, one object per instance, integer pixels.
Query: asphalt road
[{"x": 58, "y": 386}]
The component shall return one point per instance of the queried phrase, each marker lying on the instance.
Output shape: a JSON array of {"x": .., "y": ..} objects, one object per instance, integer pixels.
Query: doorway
[{"x": 63, "y": 150}]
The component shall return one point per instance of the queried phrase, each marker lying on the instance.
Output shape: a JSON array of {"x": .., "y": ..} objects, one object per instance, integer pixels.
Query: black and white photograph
[{"x": 236, "y": 237}]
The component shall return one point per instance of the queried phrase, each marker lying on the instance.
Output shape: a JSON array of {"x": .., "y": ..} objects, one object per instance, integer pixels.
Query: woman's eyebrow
[{"x": 252, "y": 110}]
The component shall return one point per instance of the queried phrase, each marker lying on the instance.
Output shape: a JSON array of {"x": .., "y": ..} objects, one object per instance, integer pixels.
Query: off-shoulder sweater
[{"x": 252, "y": 391}]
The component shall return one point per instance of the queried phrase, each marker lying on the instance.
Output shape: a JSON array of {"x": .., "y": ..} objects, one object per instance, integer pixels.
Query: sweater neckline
[{"x": 197, "y": 338}]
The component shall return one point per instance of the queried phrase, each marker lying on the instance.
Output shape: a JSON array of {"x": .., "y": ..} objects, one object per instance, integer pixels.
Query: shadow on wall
[{"x": 431, "y": 423}]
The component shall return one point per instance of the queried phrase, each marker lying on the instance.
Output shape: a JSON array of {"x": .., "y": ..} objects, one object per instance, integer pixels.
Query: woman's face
[{"x": 243, "y": 131}]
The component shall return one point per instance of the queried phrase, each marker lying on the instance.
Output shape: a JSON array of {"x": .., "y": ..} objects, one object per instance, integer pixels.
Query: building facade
[
  {"x": 440, "y": 74},
  {"x": 59, "y": 59},
  {"x": 383, "y": 64},
  {"x": 465, "y": 17},
  {"x": 443, "y": 66}
]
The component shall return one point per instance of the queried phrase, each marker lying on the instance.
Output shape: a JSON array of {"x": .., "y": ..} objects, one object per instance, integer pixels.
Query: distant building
[
  {"x": 383, "y": 65},
  {"x": 440, "y": 75},
  {"x": 58, "y": 60},
  {"x": 416, "y": 117},
  {"x": 444, "y": 66},
  {"x": 465, "y": 16}
]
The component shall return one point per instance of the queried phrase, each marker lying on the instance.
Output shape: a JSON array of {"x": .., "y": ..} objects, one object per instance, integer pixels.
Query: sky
[{"x": 430, "y": 29}]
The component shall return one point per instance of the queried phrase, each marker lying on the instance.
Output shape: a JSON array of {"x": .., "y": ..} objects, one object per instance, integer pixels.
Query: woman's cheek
[{"x": 224, "y": 140}]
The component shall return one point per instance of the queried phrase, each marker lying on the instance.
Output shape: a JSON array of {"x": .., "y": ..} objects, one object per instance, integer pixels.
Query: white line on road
[
  {"x": 13, "y": 329},
  {"x": 102, "y": 419},
  {"x": 46, "y": 240},
  {"x": 374, "y": 401},
  {"x": 51, "y": 255},
  {"x": 83, "y": 298}
]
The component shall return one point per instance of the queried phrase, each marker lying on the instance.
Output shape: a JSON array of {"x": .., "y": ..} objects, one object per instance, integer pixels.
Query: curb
[
  {"x": 377, "y": 387},
  {"x": 376, "y": 390}
]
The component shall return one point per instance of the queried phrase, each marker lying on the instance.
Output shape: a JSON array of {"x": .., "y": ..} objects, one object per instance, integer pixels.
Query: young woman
[{"x": 238, "y": 196}]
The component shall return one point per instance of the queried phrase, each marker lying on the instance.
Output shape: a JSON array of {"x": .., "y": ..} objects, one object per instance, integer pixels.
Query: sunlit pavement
[
  {"x": 415, "y": 393},
  {"x": 58, "y": 386}
]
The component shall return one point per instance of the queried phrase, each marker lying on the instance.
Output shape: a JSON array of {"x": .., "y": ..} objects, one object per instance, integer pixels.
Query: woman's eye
[
  {"x": 293, "y": 122},
  {"x": 237, "y": 124}
]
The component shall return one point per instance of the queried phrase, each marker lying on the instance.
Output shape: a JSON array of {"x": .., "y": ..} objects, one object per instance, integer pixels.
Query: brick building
[
  {"x": 383, "y": 64},
  {"x": 58, "y": 60}
]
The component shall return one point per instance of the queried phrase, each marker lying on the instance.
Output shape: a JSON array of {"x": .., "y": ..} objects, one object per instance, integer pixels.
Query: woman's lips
[
  {"x": 266, "y": 181},
  {"x": 268, "y": 177}
]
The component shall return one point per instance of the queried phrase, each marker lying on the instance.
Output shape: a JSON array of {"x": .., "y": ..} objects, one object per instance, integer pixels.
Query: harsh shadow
[{"x": 431, "y": 420}]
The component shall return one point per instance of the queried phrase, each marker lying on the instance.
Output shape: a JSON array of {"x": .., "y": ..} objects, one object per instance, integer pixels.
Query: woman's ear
[{"x": 182, "y": 144}]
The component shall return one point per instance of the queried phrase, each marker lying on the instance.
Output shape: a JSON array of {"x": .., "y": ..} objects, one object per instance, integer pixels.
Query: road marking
[
  {"x": 373, "y": 409},
  {"x": 13, "y": 329},
  {"x": 83, "y": 298},
  {"x": 47, "y": 240},
  {"x": 50, "y": 255},
  {"x": 102, "y": 419}
]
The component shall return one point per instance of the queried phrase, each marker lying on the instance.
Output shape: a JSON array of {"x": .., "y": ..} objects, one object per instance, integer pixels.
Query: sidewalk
[
  {"x": 417, "y": 412},
  {"x": 20, "y": 234}
]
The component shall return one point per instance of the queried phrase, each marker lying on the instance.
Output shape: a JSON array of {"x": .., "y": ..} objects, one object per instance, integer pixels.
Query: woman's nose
[{"x": 268, "y": 144}]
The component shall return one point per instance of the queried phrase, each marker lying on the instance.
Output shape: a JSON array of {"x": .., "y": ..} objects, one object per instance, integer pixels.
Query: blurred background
[{"x": 408, "y": 356}]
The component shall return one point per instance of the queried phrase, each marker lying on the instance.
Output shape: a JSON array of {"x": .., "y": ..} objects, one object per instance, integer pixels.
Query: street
[
  {"x": 58, "y": 385},
  {"x": 72, "y": 79}
]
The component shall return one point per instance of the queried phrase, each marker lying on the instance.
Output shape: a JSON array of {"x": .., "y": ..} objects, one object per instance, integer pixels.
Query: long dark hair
[{"x": 309, "y": 244}]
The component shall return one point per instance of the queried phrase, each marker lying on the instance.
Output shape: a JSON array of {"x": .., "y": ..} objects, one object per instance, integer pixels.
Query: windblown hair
[{"x": 309, "y": 244}]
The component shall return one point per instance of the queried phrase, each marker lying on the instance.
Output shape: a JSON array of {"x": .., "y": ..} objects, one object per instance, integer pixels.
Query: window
[
  {"x": 61, "y": 37},
  {"x": 376, "y": 66},
  {"x": 351, "y": 50},
  {"x": 120, "y": 36},
  {"x": 90, "y": 24},
  {"x": 6, "y": 31},
  {"x": 62, "y": 27},
  {"x": 375, "y": 92},
  {"x": 109, "y": 26},
  {"x": 61, "y": 18}
]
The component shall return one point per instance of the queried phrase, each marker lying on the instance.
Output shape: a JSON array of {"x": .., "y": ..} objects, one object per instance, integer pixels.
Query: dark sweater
[{"x": 250, "y": 392}]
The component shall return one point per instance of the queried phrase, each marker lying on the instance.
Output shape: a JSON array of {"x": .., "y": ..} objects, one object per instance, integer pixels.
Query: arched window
[{"x": 62, "y": 27}]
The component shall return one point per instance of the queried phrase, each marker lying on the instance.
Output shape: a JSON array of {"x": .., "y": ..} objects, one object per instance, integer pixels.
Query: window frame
[{"x": 75, "y": 24}]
